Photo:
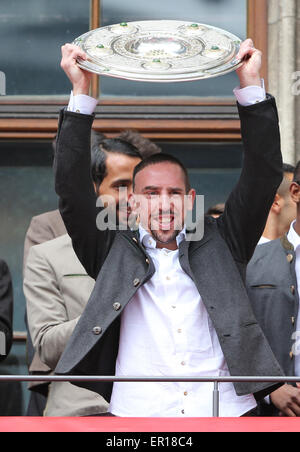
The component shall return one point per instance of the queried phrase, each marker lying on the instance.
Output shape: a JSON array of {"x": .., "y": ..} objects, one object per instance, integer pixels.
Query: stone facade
[{"x": 284, "y": 71}]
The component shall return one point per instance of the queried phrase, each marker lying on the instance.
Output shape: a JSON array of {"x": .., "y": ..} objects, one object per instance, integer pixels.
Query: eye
[
  {"x": 119, "y": 186},
  {"x": 151, "y": 193},
  {"x": 176, "y": 194}
]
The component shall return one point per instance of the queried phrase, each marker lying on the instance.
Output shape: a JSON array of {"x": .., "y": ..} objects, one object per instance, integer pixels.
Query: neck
[
  {"x": 172, "y": 246},
  {"x": 274, "y": 229}
]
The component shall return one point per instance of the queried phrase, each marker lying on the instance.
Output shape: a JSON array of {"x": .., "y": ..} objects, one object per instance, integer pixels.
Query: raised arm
[
  {"x": 248, "y": 205},
  {"x": 73, "y": 182}
]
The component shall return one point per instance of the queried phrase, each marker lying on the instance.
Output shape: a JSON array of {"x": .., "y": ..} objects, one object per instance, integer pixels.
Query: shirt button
[
  {"x": 97, "y": 330},
  {"x": 77, "y": 111},
  {"x": 182, "y": 363},
  {"x": 185, "y": 393},
  {"x": 168, "y": 278},
  {"x": 179, "y": 330},
  {"x": 182, "y": 411}
]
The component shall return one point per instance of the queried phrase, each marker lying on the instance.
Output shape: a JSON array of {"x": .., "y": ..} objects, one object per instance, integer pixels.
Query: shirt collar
[
  {"x": 293, "y": 237},
  {"x": 149, "y": 242}
]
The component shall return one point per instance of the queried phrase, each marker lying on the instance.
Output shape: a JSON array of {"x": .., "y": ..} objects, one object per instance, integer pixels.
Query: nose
[
  {"x": 124, "y": 193},
  {"x": 129, "y": 190},
  {"x": 165, "y": 203}
]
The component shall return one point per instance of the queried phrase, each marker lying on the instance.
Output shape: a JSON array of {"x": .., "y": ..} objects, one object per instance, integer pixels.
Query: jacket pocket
[{"x": 263, "y": 286}]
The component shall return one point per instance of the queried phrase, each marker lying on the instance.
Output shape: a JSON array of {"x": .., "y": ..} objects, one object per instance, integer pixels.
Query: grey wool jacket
[
  {"x": 272, "y": 289},
  {"x": 216, "y": 263}
]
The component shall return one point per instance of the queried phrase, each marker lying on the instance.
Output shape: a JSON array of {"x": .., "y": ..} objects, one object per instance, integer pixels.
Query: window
[
  {"x": 230, "y": 15},
  {"x": 32, "y": 33},
  {"x": 37, "y": 87}
]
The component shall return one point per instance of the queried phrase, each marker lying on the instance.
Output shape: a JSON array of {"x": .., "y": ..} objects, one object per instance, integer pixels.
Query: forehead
[
  {"x": 161, "y": 175},
  {"x": 120, "y": 165}
]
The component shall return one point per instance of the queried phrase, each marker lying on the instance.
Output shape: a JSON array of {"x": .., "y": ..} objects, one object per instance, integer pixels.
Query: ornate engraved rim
[{"x": 159, "y": 51}]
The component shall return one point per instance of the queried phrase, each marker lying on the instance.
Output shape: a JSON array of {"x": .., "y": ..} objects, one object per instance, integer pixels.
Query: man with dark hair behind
[
  {"x": 283, "y": 209},
  {"x": 273, "y": 281},
  {"x": 57, "y": 287}
]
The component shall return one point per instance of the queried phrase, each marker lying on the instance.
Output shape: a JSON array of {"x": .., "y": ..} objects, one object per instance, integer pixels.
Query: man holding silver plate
[{"x": 164, "y": 305}]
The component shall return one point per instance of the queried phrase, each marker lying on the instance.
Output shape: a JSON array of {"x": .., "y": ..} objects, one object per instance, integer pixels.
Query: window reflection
[
  {"x": 231, "y": 15},
  {"x": 31, "y": 34}
]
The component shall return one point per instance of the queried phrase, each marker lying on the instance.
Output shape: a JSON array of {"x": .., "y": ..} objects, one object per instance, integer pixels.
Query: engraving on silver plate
[{"x": 160, "y": 51}]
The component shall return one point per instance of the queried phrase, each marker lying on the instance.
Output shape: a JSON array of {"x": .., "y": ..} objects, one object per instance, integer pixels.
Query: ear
[
  {"x": 277, "y": 204},
  {"x": 133, "y": 203},
  {"x": 295, "y": 192},
  {"x": 191, "y": 196},
  {"x": 97, "y": 189}
]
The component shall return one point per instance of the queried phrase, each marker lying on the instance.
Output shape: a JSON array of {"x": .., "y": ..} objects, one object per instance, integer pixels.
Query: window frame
[{"x": 163, "y": 119}]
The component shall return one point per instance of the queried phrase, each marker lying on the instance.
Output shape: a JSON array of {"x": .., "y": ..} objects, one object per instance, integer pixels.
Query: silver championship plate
[{"x": 159, "y": 51}]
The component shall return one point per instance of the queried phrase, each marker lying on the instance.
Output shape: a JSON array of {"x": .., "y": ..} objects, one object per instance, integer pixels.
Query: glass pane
[
  {"x": 231, "y": 15},
  {"x": 31, "y": 34}
]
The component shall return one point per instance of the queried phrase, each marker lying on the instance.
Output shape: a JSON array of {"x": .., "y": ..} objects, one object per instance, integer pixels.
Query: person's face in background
[{"x": 119, "y": 171}]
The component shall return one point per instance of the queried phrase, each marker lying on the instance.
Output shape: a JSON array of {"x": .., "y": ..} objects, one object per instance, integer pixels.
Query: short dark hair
[
  {"x": 162, "y": 158},
  {"x": 217, "y": 209},
  {"x": 100, "y": 147},
  {"x": 287, "y": 168},
  {"x": 297, "y": 172},
  {"x": 145, "y": 146}
]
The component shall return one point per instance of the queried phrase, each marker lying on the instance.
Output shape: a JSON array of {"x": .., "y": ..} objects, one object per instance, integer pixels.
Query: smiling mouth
[{"x": 164, "y": 222}]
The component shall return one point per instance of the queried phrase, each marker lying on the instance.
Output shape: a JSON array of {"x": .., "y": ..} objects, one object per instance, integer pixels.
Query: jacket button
[
  {"x": 147, "y": 261},
  {"x": 289, "y": 257},
  {"x": 293, "y": 290},
  {"x": 116, "y": 306},
  {"x": 291, "y": 354},
  {"x": 293, "y": 320},
  {"x": 134, "y": 239},
  {"x": 136, "y": 282},
  {"x": 97, "y": 330}
]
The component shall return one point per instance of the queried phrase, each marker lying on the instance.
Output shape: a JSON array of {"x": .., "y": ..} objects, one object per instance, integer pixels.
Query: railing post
[{"x": 216, "y": 399}]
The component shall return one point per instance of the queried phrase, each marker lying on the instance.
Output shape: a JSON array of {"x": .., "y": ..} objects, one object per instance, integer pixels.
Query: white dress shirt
[
  {"x": 263, "y": 240},
  {"x": 294, "y": 239},
  {"x": 246, "y": 96},
  {"x": 166, "y": 331}
]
